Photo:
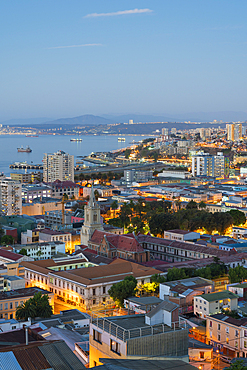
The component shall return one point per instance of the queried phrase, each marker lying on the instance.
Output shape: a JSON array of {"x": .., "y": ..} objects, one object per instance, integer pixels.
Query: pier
[{"x": 24, "y": 166}]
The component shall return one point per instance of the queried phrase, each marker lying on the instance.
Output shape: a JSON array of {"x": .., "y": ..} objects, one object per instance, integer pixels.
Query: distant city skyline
[{"x": 66, "y": 59}]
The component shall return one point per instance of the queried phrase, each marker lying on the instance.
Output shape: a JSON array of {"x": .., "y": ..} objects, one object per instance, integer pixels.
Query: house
[
  {"x": 200, "y": 354},
  {"x": 113, "y": 245},
  {"x": 30, "y": 236},
  {"x": 213, "y": 303},
  {"x": 181, "y": 235},
  {"x": 13, "y": 324},
  {"x": 239, "y": 289},
  {"x": 141, "y": 304},
  {"x": 183, "y": 291},
  {"x": 139, "y": 336}
]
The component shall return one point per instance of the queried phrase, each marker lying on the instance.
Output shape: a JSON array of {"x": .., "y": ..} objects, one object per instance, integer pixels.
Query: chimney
[{"x": 26, "y": 332}]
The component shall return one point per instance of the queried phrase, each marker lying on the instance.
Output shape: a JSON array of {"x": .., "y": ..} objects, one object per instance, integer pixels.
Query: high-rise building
[
  {"x": 58, "y": 166},
  {"x": 208, "y": 165},
  {"x": 10, "y": 197},
  {"x": 234, "y": 131}
]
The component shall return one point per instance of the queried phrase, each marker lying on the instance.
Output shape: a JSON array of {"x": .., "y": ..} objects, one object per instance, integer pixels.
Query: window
[
  {"x": 11, "y": 305},
  {"x": 236, "y": 333},
  {"x": 97, "y": 336},
  {"x": 219, "y": 337},
  {"x": 236, "y": 344},
  {"x": 1, "y": 306},
  {"x": 245, "y": 344},
  {"x": 218, "y": 326},
  {"x": 93, "y": 291},
  {"x": 5, "y": 306},
  {"x": 245, "y": 333},
  {"x": 210, "y": 324},
  {"x": 115, "y": 347},
  {"x": 201, "y": 354},
  {"x": 94, "y": 301},
  {"x": 103, "y": 289},
  {"x": 16, "y": 304}
]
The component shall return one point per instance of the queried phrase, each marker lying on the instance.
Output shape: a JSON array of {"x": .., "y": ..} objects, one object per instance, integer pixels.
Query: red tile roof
[
  {"x": 119, "y": 242},
  {"x": 10, "y": 255}
]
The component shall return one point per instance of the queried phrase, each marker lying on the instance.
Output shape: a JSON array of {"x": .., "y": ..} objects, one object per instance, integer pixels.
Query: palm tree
[{"x": 26, "y": 310}]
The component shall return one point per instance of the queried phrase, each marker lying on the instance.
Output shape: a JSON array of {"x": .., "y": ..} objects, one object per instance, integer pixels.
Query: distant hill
[
  {"x": 25, "y": 121},
  {"x": 85, "y": 120},
  {"x": 225, "y": 116}
]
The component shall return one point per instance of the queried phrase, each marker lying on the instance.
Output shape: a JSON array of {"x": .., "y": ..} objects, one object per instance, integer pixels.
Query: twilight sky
[{"x": 64, "y": 58}]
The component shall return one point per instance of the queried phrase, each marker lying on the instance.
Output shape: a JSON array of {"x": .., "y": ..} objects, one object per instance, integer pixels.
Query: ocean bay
[{"x": 51, "y": 144}]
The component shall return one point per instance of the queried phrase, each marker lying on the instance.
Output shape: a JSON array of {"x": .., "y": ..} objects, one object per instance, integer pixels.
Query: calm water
[{"x": 50, "y": 144}]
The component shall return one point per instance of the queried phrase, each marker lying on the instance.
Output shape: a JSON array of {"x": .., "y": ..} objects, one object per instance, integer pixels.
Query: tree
[
  {"x": 238, "y": 365},
  {"x": 163, "y": 221},
  {"x": 192, "y": 204},
  {"x": 65, "y": 196},
  {"x": 202, "y": 205},
  {"x": 7, "y": 239},
  {"x": 122, "y": 290},
  {"x": 127, "y": 153},
  {"x": 96, "y": 194},
  {"x": 38, "y": 306},
  {"x": 238, "y": 217},
  {"x": 23, "y": 251},
  {"x": 114, "y": 206}
]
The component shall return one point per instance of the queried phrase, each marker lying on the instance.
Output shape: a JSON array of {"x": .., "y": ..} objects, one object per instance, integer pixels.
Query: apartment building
[
  {"x": 58, "y": 166},
  {"x": 31, "y": 192},
  {"x": 54, "y": 219},
  {"x": 213, "y": 303},
  {"x": 178, "y": 251},
  {"x": 227, "y": 334},
  {"x": 27, "y": 177},
  {"x": 59, "y": 188},
  {"x": 10, "y": 300},
  {"x": 79, "y": 285},
  {"x": 64, "y": 237},
  {"x": 204, "y": 164},
  {"x": 10, "y": 197},
  {"x": 234, "y": 131},
  {"x": 157, "y": 334},
  {"x": 43, "y": 250}
]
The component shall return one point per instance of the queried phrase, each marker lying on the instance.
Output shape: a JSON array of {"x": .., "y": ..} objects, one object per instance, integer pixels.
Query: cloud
[
  {"x": 73, "y": 46},
  {"x": 121, "y": 12}
]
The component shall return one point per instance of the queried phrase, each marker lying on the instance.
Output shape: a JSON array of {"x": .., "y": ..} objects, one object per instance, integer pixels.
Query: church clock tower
[{"x": 91, "y": 219}]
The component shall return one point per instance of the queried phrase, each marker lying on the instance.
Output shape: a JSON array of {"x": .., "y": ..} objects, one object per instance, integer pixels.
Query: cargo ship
[
  {"x": 121, "y": 139},
  {"x": 77, "y": 139},
  {"x": 24, "y": 150},
  {"x": 32, "y": 135}
]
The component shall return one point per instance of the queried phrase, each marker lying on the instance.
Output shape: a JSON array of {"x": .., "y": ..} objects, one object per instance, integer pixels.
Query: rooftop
[
  {"x": 10, "y": 255},
  {"x": 21, "y": 293},
  {"x": 147, "y": 364},
  {"x": 211, "y": 297}
]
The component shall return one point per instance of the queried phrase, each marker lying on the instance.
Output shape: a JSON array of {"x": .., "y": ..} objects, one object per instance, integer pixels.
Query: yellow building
[{"x": 10, "y": 300}]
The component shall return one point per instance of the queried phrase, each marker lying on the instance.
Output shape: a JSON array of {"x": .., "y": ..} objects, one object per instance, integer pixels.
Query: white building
[
  {"x": 212, "y": 303},
  {"x": 204, "y": 164},
  {"x": 58, "y": 166},
  {"x": 42, "y": 251},
  {"x": 10, "y": 197},
  {"x": 181, "y": 235}
]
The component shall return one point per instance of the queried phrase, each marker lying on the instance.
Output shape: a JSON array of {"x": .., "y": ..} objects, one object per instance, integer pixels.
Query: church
[{"x": 91, "y": 219}]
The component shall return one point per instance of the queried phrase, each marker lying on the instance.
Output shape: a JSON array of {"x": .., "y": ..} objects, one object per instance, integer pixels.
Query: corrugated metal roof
[
  {"x": 8, "y": 361},
  {"x": 60, "y": 357}
]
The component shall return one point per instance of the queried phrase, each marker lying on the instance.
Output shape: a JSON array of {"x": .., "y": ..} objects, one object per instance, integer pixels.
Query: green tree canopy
[
  {"x": 23, "y": 251},
  {"x": 238, "y": 365},
  {"x": 163, "y": 221},
  {"x": 122, "y": 290},
  {"x": 238, "y": 217},
  {"x": 191, "y": 204},
  {"x": 7, "y": 239},
  {"x": 38, "y": 306}
]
